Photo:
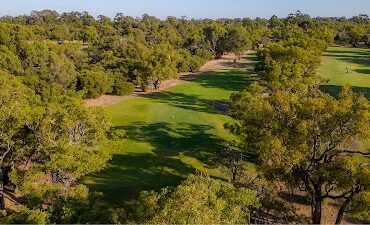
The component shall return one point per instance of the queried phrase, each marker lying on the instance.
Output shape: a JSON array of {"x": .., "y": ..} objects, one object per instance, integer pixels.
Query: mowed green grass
[
  {"x": 169, "y": 135},
  {"x": 333, "y": 67}
]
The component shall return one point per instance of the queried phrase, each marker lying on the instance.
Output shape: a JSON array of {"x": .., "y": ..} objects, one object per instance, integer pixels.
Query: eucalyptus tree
[{"x": 305, "y": 140}]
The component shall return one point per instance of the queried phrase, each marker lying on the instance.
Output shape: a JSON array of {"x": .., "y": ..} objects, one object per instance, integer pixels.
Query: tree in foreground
[
  {"x": 46, "y": 148},
  {"x": 307, "y": 142},
  {"x": 14, "y": 111},
  {"x": 198, "y": 200}
]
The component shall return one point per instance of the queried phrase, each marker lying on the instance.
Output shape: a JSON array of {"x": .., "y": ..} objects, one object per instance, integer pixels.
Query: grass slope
[
  {"x": 333, "y": 67},
  {"x": 169, "y": 135}
]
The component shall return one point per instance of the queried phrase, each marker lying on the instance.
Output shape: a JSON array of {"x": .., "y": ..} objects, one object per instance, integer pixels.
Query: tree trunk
[
  {"x": 316, "y": 207},
  {"x": 342, "y": 209},
  {"x": 340, "y": 215},
  {"x": 233, "y": 179},
  {"x": 157, "y": 84},
  {"x": 2, "y": 202}
]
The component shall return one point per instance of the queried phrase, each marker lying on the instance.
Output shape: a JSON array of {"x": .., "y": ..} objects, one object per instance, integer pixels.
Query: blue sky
[{"x": 192, "y": 8}]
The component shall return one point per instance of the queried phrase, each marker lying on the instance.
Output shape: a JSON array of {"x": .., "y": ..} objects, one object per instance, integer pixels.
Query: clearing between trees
[
  {"x": 170, "y": 134},
  {"x": 174, "y": 132}
]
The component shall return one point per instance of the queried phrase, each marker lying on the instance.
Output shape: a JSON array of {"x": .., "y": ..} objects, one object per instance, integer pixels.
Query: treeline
[
  {"x": 76, "y": 54},
  {"x": 304, "y": 138},
  {"x": 79, "y": 55}
]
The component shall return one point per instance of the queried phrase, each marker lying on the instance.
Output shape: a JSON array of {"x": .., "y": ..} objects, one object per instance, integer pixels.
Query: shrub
[
  {"x": 189, "y": 62},
  {"x": 94, "y": 83},
  {"x": 123, "y": 88},
  {"x": 27, "y": 216}
]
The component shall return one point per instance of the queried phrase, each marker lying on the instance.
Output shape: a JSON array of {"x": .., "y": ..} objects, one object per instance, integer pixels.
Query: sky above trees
[{"x": 192, "y": 8}]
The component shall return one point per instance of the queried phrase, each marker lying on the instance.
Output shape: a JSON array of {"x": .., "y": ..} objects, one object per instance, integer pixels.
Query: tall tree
[
  {"x": 305, "y": 141},
  {"x": 15, "y": 109},
  {"x": 215, "y": 32}
]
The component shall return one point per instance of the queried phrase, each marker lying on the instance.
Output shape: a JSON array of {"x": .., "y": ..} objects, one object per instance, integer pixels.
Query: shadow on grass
[
  {"x": 363, "y": 71},
  {"x": 184, "y": 101},
  {"x": 170, "y": 140},
  {"x": 359, "y": 60},
  {"x": 353, "y": 56},
  {"x": 354, "y": 51},
  {"x": 334, "y": 90},
  {"x": 231, "y": 80},
  {"x": 129, "y": 174}
]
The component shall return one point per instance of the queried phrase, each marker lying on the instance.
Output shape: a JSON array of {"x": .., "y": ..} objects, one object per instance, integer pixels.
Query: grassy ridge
[{"x": 169, "y": 135}]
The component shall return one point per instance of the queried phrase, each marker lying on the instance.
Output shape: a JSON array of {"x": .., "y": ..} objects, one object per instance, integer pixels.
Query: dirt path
[{"x": 213, "y": 65}]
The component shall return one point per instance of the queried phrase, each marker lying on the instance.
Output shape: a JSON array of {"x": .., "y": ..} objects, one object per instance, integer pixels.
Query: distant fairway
[
  {"x": 334, "y": 64},
  {"x": 333, "y": 67},
  {"x": 169, "y": 134}
]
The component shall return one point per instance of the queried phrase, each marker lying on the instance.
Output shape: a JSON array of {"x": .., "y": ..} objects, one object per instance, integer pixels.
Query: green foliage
[
  {"x": 27, "y": 216},
  {"x": 190, "y": 62},
  {"x": 123, "y": 88},
  {"x": 304, "y": 139},
  {"x": 9, "y": 61},
  {"x": 89, "y": 34},
  {"x": 52, "y": 146},
  {"x": 238, "y": 40},
  {"x": 197, "y": 200},
  {"x": 94, "y": 83},
  {"x": 50, "y": 142},
  {"x": 302, "y": 136}
]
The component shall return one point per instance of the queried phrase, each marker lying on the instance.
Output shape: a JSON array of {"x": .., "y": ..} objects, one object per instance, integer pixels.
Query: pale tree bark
[{"x": 2, "y": 201}]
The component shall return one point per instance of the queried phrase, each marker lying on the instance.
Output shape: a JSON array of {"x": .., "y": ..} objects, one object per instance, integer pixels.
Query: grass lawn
[
  {"x": 334, "y": 64},
  {"x": 169, "y": 135},
  {"x": 333, "y": 67}
]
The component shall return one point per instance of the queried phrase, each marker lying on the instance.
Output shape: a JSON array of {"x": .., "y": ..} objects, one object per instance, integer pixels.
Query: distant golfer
[{"x": 346, "y": 70}]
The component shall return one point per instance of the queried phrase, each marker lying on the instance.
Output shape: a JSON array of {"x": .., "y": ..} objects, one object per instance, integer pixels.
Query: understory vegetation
[{"x": 279, "y": 131}]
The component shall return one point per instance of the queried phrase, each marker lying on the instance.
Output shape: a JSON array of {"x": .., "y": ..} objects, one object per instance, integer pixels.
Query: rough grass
[
  {"x": 169, "y": 135},
  {"x": 333, "y": 67}
]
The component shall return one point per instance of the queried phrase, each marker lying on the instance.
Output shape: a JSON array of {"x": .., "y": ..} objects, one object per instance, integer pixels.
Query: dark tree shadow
[
  {"x": 363, "y": 71},
  {"x": 334, "y": 90},
  {"x": 184, "y": 101},
  {"x": 231, "y": 80},
  {"x": 294, "y": 198},
  {"x": 129, "y": 174},
  {"x": 343, "y": 52},
  {"x": 168, "y": 140},
  {"x": 362, "y": 58}
]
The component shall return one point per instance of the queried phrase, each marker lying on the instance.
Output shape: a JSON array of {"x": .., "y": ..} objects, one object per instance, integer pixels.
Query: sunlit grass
[{"x": 168, "y": 135}]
